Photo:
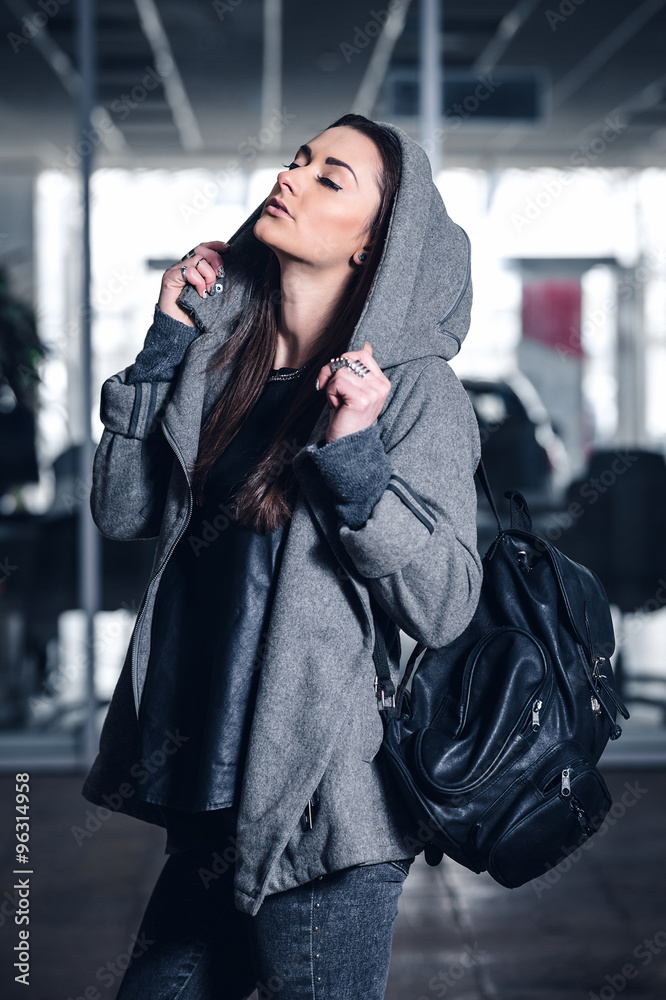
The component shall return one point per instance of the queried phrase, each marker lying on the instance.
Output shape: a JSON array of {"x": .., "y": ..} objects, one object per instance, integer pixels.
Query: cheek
[{"x": 336, "y": 227}]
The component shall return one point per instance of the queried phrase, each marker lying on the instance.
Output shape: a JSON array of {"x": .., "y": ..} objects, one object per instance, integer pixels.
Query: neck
[{"x": 308, "y": 298}]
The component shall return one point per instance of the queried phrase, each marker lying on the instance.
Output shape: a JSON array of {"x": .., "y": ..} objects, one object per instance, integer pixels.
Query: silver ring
[
  {"x": 183, "y": 269},
  {"x": 356, "y": 366},
  {"x": 199, "y": 261},
  {"x": 337, "y": 363},
  {"x": 359, "y": 368}
]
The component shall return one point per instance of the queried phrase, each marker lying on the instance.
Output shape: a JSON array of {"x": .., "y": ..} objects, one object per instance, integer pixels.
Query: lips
[{"x": 276, "y": 203}]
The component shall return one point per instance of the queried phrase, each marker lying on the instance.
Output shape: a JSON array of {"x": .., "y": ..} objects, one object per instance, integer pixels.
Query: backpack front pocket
[{"x": 568, "y": 801}]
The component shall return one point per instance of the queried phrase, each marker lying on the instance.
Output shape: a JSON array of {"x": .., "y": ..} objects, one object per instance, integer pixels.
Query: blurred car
[{"x": 520, "y": 449}]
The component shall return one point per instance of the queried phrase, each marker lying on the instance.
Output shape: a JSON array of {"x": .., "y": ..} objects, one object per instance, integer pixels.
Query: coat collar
[{"x": 196, "y": 390}]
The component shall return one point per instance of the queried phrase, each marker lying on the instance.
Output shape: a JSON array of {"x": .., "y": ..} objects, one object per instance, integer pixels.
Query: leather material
[
  {"x": 208, "y": 634},
  {"x": 481, "y": 743}
]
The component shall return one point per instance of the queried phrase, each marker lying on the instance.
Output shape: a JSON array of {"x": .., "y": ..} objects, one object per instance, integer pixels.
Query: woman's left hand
[{"x": 355, "y": 402}]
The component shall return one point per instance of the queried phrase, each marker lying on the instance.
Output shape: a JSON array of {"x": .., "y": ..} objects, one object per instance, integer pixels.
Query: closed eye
[{"x": 324, "y": 180}]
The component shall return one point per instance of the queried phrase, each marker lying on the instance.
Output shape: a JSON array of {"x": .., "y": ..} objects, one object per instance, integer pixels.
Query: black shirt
[{"x": 209, "y": 624}]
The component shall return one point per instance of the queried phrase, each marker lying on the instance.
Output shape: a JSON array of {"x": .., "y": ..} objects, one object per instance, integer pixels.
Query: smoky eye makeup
[{"x": 326, "y": 181}]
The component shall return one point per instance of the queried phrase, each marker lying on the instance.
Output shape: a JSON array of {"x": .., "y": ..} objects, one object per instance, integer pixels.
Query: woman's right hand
[{"x": 199, "y": 267}]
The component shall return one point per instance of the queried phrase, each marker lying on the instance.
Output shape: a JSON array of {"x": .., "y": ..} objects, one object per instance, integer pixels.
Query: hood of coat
[{"x": 420, "y": 301}]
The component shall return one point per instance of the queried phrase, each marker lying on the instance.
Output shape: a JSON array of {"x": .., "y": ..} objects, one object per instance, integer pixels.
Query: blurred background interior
[{"x": 131, "y": 130}]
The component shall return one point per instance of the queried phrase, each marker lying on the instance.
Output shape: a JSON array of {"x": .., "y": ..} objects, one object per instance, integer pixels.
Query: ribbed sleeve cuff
[
  {"x": 357, "y": 470},
  {"x": 163, "y": 349}
]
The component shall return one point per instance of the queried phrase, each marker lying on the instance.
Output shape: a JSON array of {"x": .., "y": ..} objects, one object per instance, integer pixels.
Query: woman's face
[{"x": 331, "y": 205}]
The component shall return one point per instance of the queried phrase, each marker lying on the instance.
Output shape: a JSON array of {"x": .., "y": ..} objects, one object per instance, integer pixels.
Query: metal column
[
  {"x": 430, "y": 82},
  {"x": 89, "y": 551},
  {"x": 630, "y": 361},
  {"x": 271, "y": 79}
]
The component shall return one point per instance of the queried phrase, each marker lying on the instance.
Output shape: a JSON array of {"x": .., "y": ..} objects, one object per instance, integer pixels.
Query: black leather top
[{"x": 210, "y": 614}]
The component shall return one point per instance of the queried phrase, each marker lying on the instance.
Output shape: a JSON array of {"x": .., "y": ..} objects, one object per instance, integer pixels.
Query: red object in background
[{"x": 551, "y": 314}]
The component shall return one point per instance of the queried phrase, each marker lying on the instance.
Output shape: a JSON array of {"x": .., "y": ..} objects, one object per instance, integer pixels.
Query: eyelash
[{"x": 325, "y": 180}]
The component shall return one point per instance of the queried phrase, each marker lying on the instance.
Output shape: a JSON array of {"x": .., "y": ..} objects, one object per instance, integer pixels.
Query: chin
[{"x": 259, "y": 231}]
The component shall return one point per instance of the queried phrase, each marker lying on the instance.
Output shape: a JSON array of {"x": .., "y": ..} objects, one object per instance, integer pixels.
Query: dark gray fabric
[
  {"x": 357, "y": 469},
  {"x": 163, "y": 349},
  {"x": 316, "y": 724},
  {"x": 208, "y": 631}
]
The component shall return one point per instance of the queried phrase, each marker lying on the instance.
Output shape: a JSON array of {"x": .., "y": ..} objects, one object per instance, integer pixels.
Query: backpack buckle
[{"x": 387, "y": 702}]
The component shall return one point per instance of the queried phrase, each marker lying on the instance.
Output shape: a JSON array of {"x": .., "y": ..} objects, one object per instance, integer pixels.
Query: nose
[{"x": 285, "y": 180}]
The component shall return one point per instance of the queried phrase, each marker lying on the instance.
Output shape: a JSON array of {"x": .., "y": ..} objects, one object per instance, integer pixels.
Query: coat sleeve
[
  {"x": 417, "y": 549},
  {"x": 133, "y": 460},
  {"x": 163, "y": 349},
  {"x": 357, "y": 471}
]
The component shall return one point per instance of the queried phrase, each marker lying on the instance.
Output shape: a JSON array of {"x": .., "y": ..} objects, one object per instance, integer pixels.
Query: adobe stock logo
[
  {"x": 30, "y": 26},
  {"x": 645, "y": 952}
]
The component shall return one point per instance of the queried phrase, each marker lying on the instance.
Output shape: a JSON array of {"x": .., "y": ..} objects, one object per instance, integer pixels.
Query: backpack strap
[
  {"x": 483, "y": 479},
  {"x": 520, "y": 513},
  {"x": 384, "y": 686}
]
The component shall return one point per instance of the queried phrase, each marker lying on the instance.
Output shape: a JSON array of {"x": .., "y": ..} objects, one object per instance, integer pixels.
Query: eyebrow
[{"x": 329, "y": 159}]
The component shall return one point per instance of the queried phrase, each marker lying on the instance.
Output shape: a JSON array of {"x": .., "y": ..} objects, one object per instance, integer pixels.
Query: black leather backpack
[{"x": 494, "y": 747}]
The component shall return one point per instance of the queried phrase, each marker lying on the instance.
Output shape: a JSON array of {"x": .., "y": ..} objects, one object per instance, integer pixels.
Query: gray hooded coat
[{"x": 316, "y": 724}]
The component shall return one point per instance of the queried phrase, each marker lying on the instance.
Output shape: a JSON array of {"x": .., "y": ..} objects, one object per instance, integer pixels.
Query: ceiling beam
[
  {"x": 375, "y": 73},
  {"x": 165, "y": 64},
  {"x": 601, "y": 53},
  {"x": 507, "y": 28},
  {"x": 642, "y": 100},
  {"x": 506, "y": 139},
  {"x": 68, "y": 75}
]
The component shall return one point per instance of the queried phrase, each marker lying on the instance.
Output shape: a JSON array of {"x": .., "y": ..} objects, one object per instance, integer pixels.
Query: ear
[{"x": 361, "y": 255}]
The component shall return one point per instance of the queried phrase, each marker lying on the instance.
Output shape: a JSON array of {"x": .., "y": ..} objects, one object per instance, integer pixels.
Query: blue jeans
[{"x": 328, "y": 939}]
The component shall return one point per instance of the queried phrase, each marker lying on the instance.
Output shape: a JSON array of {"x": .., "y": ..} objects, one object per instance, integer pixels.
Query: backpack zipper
[
  {"x": 601, "y": 680},
  {"x": 545, "y": 690},
  {"x": 470, "y": 666},
  {"x": 565, "y": 783},
  {"x": 597, "y": 683},
  {"x": 536, "y": 707}
]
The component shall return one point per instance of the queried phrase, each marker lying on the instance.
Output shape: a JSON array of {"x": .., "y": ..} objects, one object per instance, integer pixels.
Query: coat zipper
[
  {"x": 309, "y": 813},
  {"x": 176, "y": 452}
]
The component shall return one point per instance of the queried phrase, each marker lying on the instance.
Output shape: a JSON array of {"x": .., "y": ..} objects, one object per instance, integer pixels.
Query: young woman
[{"x": 294, "y": 437}]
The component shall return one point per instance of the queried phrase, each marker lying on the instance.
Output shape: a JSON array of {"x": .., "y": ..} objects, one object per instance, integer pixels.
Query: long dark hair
[{"x": 266, "y": 498}]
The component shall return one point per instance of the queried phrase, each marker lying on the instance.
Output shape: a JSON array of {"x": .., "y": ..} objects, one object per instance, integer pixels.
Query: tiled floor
[
  {"x": 458, "y": 934},
  {"x": 464, "y": 936}
]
